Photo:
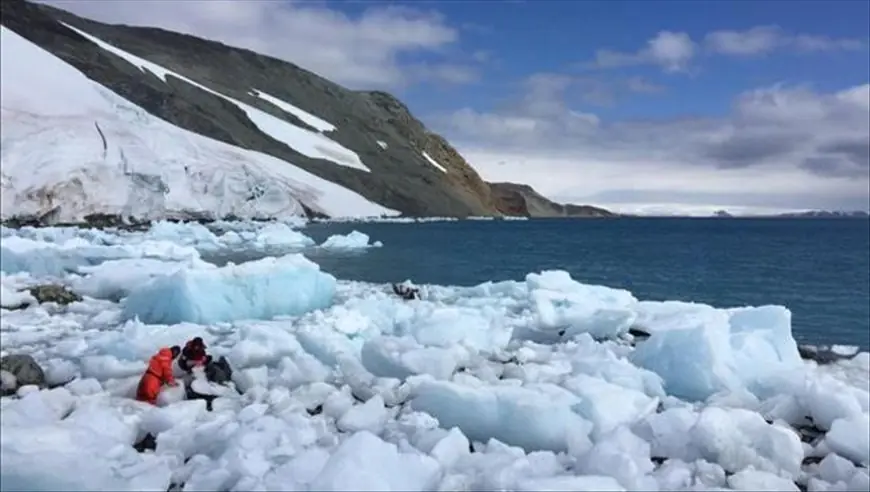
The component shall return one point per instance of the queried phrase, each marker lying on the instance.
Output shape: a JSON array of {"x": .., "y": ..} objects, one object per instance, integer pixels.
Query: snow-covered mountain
[
  {"x": 140, "y": 122},
  {"x": 827, "y": 214}
]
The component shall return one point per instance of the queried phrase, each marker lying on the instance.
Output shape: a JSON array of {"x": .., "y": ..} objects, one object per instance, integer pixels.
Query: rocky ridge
[{"x": 375, "y": 125}]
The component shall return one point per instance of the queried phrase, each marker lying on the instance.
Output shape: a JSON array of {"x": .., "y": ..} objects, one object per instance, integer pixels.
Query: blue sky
[
  {"x": 643, "y": 106},
  {"x": 559, "y": 36}
]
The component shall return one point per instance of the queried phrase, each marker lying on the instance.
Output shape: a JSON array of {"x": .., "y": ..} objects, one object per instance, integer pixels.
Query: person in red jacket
[
  {"x": 159, "y": 372},
  {"x": 193, "y": 355}
]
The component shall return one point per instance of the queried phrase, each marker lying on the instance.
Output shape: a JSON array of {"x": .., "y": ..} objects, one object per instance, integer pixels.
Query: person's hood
[{"x": 165, "y": 353}]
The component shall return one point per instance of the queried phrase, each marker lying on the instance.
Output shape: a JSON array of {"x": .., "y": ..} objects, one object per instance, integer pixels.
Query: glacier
[
  {"x": 534, "y": 384},
  {"x": 71, "y": 148}
]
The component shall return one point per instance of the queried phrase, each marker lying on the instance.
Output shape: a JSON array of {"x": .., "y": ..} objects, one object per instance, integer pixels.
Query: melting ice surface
[{"x": 513, "y": 385}]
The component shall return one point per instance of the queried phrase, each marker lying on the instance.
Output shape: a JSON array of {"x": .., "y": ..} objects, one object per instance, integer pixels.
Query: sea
[{"x": 818, "y": 268}]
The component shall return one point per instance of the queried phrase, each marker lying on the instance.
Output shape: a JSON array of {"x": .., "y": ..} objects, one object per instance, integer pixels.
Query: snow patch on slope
[
  {"x": 434, "y": 163},
  {"x": 316, "y": 122},
  {"x": 310, "y": 144}
]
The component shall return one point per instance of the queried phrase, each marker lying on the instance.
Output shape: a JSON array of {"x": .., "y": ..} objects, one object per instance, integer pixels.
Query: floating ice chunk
[
  {"x": 834, "y": 468},
  {"x": 850, "y": 438},
  {"x": 365, "y": 462},
  {"x": 290, "y": 285},
  {"x": 533, "y": 420},
  {"x": 668, "y": 433},
  {"x": 570, "y": 483},
  {"x": 90, "y": 450},
  {"x": 737, "y": 439},
  {"x": 719, "y": 350},
  {"x": 607, "y": 405},
  {"x": 451, "y": 449},
  {"x": 754, "y": 480},
  {"x": 280, "y": 234},
  {"x": 354, "y": 240},
  {"x": 828, "y": 399},
  {"x": 41, "y": 259},
  {"x": 559, "y": 302},
  {"x": 450, "y": 326},
  {"x": 370, "y": 416},
  {"x": 114, "y": 279},
  {"x": 401, "y": 357},
  {"x": 622, "y": 455},
  {"x": 185, "y": 233},
  {"x": 298, "y": 472},
  {"x": 10, "y": 298}
]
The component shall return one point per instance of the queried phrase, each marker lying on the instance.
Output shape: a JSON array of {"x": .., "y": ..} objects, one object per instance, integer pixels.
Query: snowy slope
[
  {"x": 304, "y": 141},
  {"x": 72, "y": 147}
]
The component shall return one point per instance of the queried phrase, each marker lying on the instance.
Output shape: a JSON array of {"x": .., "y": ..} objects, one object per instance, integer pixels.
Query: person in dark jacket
[{"x": 193, "y": 355}]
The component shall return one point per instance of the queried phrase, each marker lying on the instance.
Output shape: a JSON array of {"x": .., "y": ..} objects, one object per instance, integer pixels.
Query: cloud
[
  {"x": 762, "y": 40},
  {"x": 780, "y": 147},
  {"x": 674, "y": 52},
  {"x": 365, "y": 51}
]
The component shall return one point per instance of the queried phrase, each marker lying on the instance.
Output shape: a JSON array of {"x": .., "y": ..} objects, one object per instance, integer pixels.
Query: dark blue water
[{"x": 820, "y": 269}]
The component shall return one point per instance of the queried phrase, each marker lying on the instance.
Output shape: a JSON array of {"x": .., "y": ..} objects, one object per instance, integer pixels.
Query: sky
[{"x": 639, "y": 106}]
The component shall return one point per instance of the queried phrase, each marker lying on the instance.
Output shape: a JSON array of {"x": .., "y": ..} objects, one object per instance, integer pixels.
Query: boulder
[
  {"x": 17, "y": 370},
  {"x": 54, "y": 293}
]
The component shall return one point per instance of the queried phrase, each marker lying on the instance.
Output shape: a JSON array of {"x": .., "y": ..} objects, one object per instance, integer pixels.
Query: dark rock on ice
[
  {"x": 638, "y": 333},
  {"x": 20, "y": 370},
  {"x": 54, "y": 293},
  {"x": 406, "y": 292},
  {"x": 148, "y": 443},
  {"x": 826, "y": 354}
]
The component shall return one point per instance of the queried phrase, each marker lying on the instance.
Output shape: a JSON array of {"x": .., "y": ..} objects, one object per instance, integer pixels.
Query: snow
[
  {"x": 308, "y": 143},
  {"x": 318, "y": 123},
  {"x": 341, "y": 385},
  {"x": 71, "y": 148},
  {"x": 434, "y": 163}
]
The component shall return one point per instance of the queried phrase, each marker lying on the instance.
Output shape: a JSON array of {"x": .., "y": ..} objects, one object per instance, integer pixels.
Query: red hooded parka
[{"x": 159, "y": 372}]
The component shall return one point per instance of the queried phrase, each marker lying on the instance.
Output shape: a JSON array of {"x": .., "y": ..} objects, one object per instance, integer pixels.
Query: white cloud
[
  {"x": 672, "y": 51},
  {"x": 761, "y": 40},
  {"x": 675, "y": 51},
  {"x": 362, "y": 52},
  {"x": 779, "y": 148}
]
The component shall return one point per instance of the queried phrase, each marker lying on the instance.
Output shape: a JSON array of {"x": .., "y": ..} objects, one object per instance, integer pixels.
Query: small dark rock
[
  {"x": 405, "y": 292},
  {"x": 639, "y": 334},
  {"x": 823, "y": 354},
  {"x": 809, "y": 433},
  {"x": 315, "y": 411},
  {"x": 812, "y": 460},
  {"x": 148, "y": 443},
  {"x": 24, "y": 368},
  {"x": 659, "y": 460},
  {"x": 54, "y": 293}
]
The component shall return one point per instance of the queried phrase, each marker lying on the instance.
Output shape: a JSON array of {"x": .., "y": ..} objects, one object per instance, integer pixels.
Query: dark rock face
[
  {"x": 401, "y": 178},
  {"x": 54, "y": 293},
  {"x": 522, "y": 200},
  {"x": 25, "y": 370}
]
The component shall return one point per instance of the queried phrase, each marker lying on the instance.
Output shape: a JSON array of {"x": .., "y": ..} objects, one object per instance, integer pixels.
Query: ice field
[{"x": 533, "y": 384}]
